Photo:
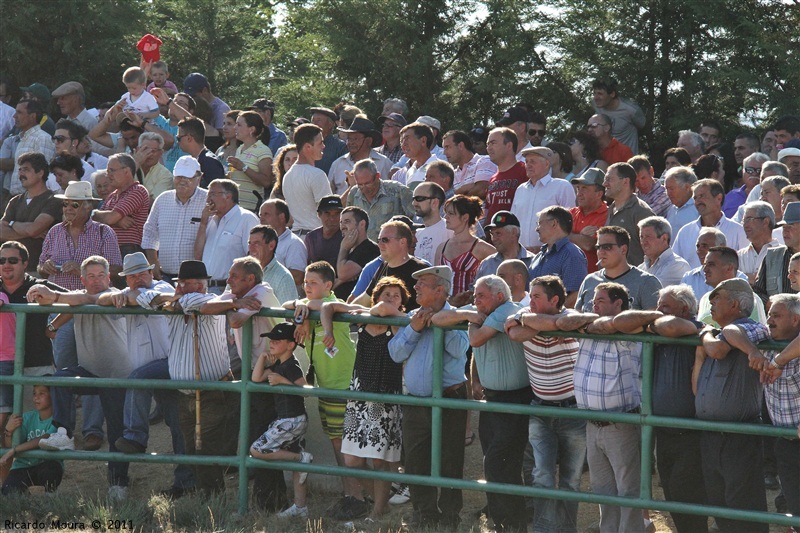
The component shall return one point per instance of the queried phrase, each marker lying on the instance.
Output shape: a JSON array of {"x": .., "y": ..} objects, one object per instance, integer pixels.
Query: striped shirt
[
  {"x": 133, "y": 202},
  {"x": 171, "y": 228},
  {"x": 550, "y": 362},
  {"x": 783, "y": 396},
  {"x": 214, "y": 361},
  {"x": 95, "y": 239},
  {"x": 608, "y": 375},
  {"x": 658, "y": 201},
  {"x": 261, "y": 324}
]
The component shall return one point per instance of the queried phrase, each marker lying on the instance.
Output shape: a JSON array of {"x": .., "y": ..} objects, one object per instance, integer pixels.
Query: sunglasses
[
  {"x": 386, "y": 240},
  {"x": 73, "y": 205},
  {"x": 752, "y": 170},
  {"x": 60, "y": 138},
  {"x": 421, "y": 198},
  {"x": 539, "y": 133},
  {"x": 10, "y": 260},
  {"x": 606, "y": 247}
]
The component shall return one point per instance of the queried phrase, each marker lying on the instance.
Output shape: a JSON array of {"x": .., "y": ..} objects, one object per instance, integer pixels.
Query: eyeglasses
[
  {"x": 386, "y": 240},
  {"x": 109, "y": 170},
  {"x": 10, "y": 260},
  {"x": 179, "y": 137},
  {"x": 421, "y": 198},
  {"x": 60, "y": 138},
  {"x": 752, "y": 170},
  {"x": 607, "y": 247},
  {"x": 593, "y": 125},
  {"x": 539, "y": 133},
  {"x": 750, "y": 219},
  {"x": 73, "y": 205}
]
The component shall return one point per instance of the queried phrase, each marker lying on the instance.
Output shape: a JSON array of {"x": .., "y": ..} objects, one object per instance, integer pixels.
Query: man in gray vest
[{"x": 772, "y": 277}]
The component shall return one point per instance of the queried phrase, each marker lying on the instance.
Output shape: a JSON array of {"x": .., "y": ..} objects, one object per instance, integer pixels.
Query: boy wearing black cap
[{"x": 281, "y": 441}]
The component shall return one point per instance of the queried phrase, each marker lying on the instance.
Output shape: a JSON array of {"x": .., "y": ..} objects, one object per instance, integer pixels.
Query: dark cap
[
  {"x": 365, "y": 126},
  {"x": 281, "y": 332},
  {"x": 327, "y": 203},
  {"x": 195, "y": 82},
  {"x": 38, "y": 90},
  {"x": 502, "y": 219},
  {"x": 408, "y": 222},
  {"x": 330, "y": 113},
  {"x": 514, "y": 114},
  {"x": 394, "y": 117},
  {"x": 593, "y": 176},
  {"x": 262, "y": 104},
  {"x": 299, "y": 121},
  {"x": 192, "y": 269}
]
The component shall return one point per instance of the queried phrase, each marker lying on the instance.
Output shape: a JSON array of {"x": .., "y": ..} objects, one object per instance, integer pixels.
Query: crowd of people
[{"x": 169, "y": 200}]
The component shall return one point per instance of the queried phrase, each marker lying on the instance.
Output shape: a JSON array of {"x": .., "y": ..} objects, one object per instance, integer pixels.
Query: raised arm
[{"x": 634, "y": 321}]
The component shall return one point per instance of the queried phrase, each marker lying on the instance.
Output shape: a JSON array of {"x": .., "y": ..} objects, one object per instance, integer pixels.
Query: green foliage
[
  {"x": 90, "y": 41},
  {"x": 463, "y": 62}
]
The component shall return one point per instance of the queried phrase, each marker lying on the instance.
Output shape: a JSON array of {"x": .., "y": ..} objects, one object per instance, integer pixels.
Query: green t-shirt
[
  {"x": 33, "y": 428},
  {"x": 332, "y": 372}
]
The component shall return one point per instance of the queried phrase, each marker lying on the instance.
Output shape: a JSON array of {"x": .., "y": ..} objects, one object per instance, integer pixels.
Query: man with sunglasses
[
  {"x": 751, "y": 178},
  {"x": 612, "y": 253},
  {"x": 427, "y": 202},
  {"x": 31, "y": 214},
  {"x": 537, "y": 128},
  {"x": 611, "y": 150},
  {"x": 69, "y": 134}
]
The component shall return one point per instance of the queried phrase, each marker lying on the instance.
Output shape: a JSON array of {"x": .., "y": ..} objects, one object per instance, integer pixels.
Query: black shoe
[
  {"x": 173, "y": 493},
  {"x": 350, "y": 509},
  {"x": 129, "y": 446}
]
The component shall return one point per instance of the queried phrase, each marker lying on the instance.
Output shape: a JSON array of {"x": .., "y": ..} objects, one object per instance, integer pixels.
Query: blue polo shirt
[{"x": 563, "y": 259}]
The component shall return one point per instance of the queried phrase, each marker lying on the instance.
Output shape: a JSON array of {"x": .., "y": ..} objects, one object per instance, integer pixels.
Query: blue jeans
[
  {"x": 562, "y": 441},
  {"x": 65, "y": 355},
  {"x": 137, "y": 413},
  {"x": 113, "y": 403}
]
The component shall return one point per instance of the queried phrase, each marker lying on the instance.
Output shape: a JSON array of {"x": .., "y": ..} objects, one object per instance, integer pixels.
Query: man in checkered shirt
[{"x": 607, "y": 377}]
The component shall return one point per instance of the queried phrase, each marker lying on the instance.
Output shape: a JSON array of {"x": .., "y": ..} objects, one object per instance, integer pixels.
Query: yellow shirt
[{"x": 250, "y": 157}]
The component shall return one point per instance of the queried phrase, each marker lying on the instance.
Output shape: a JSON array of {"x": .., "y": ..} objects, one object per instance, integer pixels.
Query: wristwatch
[
  {"x": 11, "y": 224},
  {"x": 51, "y": 328}
]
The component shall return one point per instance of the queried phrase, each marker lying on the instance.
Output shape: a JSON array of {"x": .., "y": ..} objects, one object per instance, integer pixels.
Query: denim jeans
[
  {"x": 137, "y": 414},
  {"x": 65, "y": 355},
  {"x": 554, "y": 441},
  {"x": 113, "y": 403}
]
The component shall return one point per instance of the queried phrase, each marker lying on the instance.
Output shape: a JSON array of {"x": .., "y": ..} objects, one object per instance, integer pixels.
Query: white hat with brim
[{"x": 79, "y": 191}]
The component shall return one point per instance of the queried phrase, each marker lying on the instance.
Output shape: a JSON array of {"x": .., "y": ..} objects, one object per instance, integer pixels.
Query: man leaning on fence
[
  {"x": 677, "y": 450},
  {"x": 102, "y": 352},
  {"x": 498, "y": 375},
  {"x": 608, "y": 378},
  {"x": 191, "y": 292},
  {"x": 414, "y": 347},
  {"x": 728, "y": 391}
]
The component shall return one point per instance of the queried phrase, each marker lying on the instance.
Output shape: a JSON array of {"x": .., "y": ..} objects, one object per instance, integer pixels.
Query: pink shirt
[{"x": 8, "y": 332}]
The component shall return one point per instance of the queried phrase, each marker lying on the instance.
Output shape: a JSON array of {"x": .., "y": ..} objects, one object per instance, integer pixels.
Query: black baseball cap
[
  {"x": 281, "y": 332},
  {"x": 327, "y": 203},
  {"x": 502, "y": 219}
]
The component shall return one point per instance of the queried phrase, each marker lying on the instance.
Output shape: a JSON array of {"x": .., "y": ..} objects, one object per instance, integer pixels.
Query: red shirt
[
  {"x": 580, "y": 220},
  {"x": 132, "y": 202},
  {"x": 616, "y": 152},
  {"x": 502, "y": 188}
]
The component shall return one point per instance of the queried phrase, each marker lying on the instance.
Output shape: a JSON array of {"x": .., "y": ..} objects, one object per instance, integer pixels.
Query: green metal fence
[{"x": 645, "y": 419}]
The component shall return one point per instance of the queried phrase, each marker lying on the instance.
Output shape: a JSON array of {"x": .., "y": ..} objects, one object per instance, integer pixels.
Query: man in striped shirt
[
  {"x": 550, "y": 362},
  {"x": 191, "y": 292}
]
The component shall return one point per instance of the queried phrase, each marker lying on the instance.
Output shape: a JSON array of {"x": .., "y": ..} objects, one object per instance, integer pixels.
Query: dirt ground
[{"x": 89, "y": 478}]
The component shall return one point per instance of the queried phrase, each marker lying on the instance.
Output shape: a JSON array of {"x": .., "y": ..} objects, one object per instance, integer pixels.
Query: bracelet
[{"x": 775, "y": 364}]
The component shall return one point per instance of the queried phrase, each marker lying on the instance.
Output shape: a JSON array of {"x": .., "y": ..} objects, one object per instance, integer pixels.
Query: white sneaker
[
  {"x": 294, "y": 512},
  {"x": 58, "y": 441},
  {"x": 116, "y": 492},
  {"x": 307, "y": 458},
  {"x": 401, "y": 494}
]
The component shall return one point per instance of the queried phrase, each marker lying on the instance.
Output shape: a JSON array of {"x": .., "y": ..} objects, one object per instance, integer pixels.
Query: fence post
[
  {"x": 436, "y": 411},
  {"x": 646, "y": 488},
  {"x": 244, "y": 414},
  {"x": 19, "y": 370}
]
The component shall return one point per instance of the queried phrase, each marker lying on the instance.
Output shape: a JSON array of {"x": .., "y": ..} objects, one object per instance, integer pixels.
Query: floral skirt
[{"x": 372, "y": 430}]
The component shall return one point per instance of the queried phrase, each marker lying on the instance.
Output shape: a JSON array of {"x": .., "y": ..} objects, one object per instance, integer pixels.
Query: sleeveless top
[
  {"x": 465, "y": 268},
  {"x": 374, "y": 368}
]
